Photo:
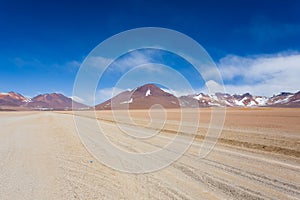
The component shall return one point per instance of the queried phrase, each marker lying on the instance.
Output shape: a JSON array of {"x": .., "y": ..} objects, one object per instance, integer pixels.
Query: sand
[{"x": 256, "y": 157}]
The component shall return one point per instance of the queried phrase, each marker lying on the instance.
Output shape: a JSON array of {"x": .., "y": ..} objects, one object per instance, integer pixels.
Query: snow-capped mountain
[
  {"x": 222, "y": 99},
  {"x": 143, "y": 97},
  {"x": 147, "y": 95},
  {"x": 244, "y": 100},
  {"x": 285, "y": 99}
]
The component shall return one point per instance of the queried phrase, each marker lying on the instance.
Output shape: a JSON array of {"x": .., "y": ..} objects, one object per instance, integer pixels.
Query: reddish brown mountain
[
  {"x": 143, "y": 97},
  {"x": 53, "y": 101},
  {"x": 147, "y": 95},
  {"x": 12, "y": 99}
]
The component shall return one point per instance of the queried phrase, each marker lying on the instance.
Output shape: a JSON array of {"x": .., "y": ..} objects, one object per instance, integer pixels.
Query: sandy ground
[{"x": 257, "y": 157}]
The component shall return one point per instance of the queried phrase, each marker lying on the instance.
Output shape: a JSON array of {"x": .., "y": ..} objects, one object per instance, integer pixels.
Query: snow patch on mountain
[
  {"x": 239, "y": 103},
  {"x": 27, "y": 100},
  {"x": 284, "y": 100},
  {"x": 261, "y": 101},
  {"x": 127, "y": 102},
  {"x": 148, "y": 93},
  {"x": 252, "y": 103},
  {"x": 198, "y": 97}
]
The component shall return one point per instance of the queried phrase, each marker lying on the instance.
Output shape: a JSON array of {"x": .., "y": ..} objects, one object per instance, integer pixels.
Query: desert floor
[{"x": 257, "y": 157}]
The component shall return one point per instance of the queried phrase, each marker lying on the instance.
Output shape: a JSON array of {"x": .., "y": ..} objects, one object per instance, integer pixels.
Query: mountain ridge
[
  {"x": 148, "y": 96},
  {"x": 48, "y": 101},
  {"x": 283, "y": 99}
]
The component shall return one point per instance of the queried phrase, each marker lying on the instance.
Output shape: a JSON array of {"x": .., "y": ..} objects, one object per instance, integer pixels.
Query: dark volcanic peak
[
  {"x": 246, "y": 95},
  {"x": 284, "y": 94}
]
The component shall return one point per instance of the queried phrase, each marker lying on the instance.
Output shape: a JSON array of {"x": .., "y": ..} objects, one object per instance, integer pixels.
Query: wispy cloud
[
  {"x": 27, "y": 62},
  {"x": 179, "y": 92},
  {"x": 97, "y": 62},
  {"x": 77, "y": 99},
  {"x": 68, "y": 66},
  {"x": 125, "y": 62},
  {"x": 134, "y": 59},
  {"x": 107, "y": 93},
  {"x": 261, "y": 74}
]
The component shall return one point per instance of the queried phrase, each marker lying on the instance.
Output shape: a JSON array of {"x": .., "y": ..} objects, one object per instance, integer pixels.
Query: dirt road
[{"x": 42, "y": 157}]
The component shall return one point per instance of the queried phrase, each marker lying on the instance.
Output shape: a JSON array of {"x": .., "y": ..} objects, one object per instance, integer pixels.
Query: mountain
[
  {"x": 198, "y": 100},
  {"x": 54, "y": 101},
  {"x": 245, "y": 100},
  {"x": 143, "y": 97},
  {"x": 12, "y": 99},
  {"x": 147, "y": 95},
  {"x": 285, "y": 99}
]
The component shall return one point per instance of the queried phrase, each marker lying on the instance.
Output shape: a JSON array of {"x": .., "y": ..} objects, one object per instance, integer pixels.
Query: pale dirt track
[{"x": 41, "y": 157}]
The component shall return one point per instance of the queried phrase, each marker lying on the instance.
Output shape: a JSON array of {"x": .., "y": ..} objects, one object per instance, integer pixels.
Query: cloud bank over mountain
[{"x": 261, "y": 74}]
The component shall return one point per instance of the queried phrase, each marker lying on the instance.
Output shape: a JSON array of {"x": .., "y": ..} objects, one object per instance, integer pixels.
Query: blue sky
[{"x": 255, "y": 44}]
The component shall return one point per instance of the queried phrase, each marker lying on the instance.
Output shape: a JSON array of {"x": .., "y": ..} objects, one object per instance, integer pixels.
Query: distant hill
[
  {"x": 12, "y": 99},
  {"x": 53, "y": 101}
]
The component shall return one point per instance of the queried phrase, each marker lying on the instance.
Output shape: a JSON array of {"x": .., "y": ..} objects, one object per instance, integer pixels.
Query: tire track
[{"x": 274, "y": 184}]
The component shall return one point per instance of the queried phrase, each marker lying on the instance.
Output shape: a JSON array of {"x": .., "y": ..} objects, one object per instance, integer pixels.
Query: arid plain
[{"x": 257, "y": 156}]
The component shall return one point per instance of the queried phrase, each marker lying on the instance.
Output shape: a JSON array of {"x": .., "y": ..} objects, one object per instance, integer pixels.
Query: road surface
[{"x": 42, "y": 157}]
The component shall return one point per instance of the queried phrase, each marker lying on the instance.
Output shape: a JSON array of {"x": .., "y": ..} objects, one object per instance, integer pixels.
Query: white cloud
[
  {"x": 70, "y": 66},
  {"x": 78, "y": 99},
  {"x": 262, "y": 75},
  {"x": 178, "y": 93},
  {"x": 107, "y": 93},
  {"x": 213, "y": 87},
  {"x": 133, "y": 59},
  {"x": 259, "y": 75},
  {"x": 97, "y": 62},
  {"x": 129, "y": 61},
  {"x": 73, "y": 64}
]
